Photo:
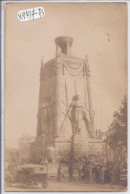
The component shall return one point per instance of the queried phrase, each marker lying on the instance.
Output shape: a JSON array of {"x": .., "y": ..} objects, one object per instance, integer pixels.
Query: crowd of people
[{"x": 101, "y": 173}]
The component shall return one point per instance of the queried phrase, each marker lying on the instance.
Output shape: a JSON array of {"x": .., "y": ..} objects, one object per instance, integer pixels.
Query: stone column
[
  {"x": 57, "y": 96},
  {"x": 40, "y": 96}
]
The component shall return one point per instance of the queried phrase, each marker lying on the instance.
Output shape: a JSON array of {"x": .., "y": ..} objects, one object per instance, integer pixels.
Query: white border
[
  {"x": 3, "y": 90},
  {"x": 2, "y": 97}
]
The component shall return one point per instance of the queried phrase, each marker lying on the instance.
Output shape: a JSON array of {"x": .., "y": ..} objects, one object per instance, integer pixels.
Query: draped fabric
[
  {"x": 45, "y": 122},
  {"x": 46, "y": 111},
  {"x": 73, "y": 82},
  {"x": 61, "y": 88},
  {"x": 73, "y": 69}
]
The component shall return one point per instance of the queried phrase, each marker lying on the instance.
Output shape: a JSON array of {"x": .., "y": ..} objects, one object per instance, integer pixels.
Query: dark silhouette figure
[
  {"x": 80, "y": 171},
  {"x": 71, "y": 171},
  {"x": 59, "y": 174}
]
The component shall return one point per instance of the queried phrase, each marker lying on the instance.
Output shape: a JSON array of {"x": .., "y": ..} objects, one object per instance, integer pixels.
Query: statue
[
  {"x": 76, "y": 115},
  {"x": 45, "y": 120}
]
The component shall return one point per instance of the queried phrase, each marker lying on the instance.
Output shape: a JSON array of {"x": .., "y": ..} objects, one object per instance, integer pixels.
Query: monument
[{"x": 65, "y": 111}]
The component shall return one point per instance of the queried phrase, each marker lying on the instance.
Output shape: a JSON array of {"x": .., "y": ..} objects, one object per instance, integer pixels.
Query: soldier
[
  {"x": 102, "y": 174},
  {"x": 59, "y": 174},
  {"x": 80, "y": 171},
  {"x": 90, "y": 174},
  {"x": 71, "y": 171}
]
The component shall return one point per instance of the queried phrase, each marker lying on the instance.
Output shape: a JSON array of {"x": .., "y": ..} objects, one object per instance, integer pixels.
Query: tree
[{"x": 117, "y": 133}]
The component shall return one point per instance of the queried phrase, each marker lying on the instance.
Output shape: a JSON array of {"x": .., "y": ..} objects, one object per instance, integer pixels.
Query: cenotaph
[{"x": 65, "y": 111}]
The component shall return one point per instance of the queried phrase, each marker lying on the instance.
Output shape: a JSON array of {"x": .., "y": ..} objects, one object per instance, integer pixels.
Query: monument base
[
  {"x": 52, "y": 169},
  {"x": 52, "y": 150},
  {"x": 62, "y": 146},
  {"x": 80, "y": 145}
]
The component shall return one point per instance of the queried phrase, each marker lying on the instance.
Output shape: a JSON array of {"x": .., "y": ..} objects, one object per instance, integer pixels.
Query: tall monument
[{"x": 65, "y": 101}]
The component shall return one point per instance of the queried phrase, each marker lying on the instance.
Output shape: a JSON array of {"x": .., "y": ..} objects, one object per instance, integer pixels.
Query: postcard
[{"x": 65, "y": 96}]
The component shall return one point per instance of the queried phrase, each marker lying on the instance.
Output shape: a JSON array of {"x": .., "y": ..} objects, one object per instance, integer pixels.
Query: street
[{"x": 53, "y": 185}]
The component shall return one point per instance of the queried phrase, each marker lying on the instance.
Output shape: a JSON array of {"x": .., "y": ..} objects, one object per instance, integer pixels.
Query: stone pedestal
[
  {"x": 80, "y": 145},
  {"x": 52, "y": 150},
  {"x": 62, "y": 146},
  {"x": 97, "y": 146},
  {"x": 44, "y": 149},
  {"x": 52, "y": 169},
  {"x": 75, "y": 143}
]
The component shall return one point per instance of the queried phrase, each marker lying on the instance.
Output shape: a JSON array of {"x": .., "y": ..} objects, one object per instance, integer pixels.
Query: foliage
[
  {"x": 72, "y": 158},
  {"x": 117, "y": 133}
]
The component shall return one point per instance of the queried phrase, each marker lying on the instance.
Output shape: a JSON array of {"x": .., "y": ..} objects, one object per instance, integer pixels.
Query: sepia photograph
[{"x": 65, "y": 80}]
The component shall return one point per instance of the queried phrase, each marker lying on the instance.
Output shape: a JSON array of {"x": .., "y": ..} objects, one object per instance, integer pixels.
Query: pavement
[{"x": 65, "y": 185}]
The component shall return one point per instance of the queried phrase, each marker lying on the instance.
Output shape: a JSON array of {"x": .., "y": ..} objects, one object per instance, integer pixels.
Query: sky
[{"x": 26, "y": 42}]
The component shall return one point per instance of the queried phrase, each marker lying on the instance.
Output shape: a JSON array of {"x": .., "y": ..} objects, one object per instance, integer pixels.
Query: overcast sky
[{"x": 26, "y": 42}]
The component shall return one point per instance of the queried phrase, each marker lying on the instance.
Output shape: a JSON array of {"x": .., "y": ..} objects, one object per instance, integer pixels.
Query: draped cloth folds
[
  {"x": 73, "y": 83},
  {"x": 74, "y": 69}
]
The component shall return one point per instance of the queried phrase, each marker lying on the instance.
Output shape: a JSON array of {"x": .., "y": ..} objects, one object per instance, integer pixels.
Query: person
[
  {"x": 97, "y": 174},
  {"x": 59, "y": 174},
  {"x": 102, "y": 174},
  {"x": 84, "y": 170},
  {"x": 71, "y": 170},
  {"x": 117, "y": 172},
  {"x": 94, "y": 173},
  {"x": 112, "y": 176},
  {"x": 80, "y": 171},
  {"x": 90, "y": 174},
  {"x": 107, "y": 174}
]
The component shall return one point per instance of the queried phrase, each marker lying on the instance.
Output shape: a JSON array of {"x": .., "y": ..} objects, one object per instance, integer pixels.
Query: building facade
[{"x": 24, "y": 146}]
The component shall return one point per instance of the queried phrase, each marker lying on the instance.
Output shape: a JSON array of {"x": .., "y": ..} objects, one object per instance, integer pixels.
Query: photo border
[{"x": 2, "y": 85}]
